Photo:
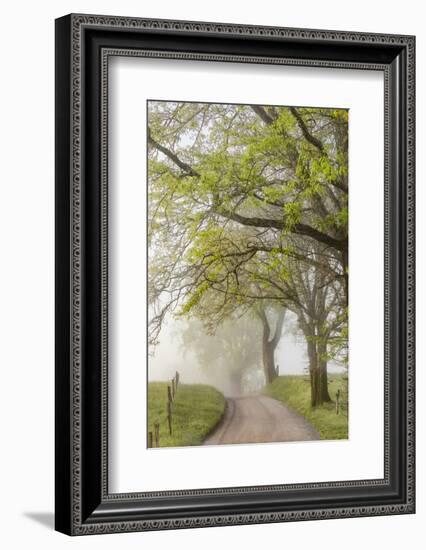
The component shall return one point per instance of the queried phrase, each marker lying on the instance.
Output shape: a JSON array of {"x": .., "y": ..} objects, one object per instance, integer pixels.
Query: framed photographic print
[{"x": 234, "y": 274}]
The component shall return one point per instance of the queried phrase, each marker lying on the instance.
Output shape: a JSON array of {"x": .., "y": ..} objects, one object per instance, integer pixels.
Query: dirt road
[{"x": 260, "y": 419}]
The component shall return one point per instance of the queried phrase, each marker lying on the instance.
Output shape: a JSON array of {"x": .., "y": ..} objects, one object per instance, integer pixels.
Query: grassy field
[
  {"x": 196, "y": 410},
  {"x": 294, "y": 391}
]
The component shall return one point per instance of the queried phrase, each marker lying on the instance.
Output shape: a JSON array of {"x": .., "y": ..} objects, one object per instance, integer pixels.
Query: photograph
[
  {"x": 247, "y": 273},
  {"x": 209, "y": 287},
  {"x": 234, "y": 272}
]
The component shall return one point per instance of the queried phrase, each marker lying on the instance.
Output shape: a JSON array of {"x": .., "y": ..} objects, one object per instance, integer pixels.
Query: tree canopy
[{"x": 248, "y": 210}]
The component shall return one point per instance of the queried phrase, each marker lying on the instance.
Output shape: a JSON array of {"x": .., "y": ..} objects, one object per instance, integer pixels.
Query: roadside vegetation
[
  {"x": 295, "y": 391},
  {"x": 196, "y": 410}
]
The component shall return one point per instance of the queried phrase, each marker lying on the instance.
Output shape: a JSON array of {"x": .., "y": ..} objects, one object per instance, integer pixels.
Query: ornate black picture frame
[{"x": 83, "y": 45}]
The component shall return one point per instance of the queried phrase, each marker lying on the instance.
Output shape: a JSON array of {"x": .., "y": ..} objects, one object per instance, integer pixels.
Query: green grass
[
  {"x": 196, "y": 410},
  {"x": 294, "y": 391}
]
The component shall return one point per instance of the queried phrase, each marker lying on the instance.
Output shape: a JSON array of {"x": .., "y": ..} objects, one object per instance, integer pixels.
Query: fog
[{"x": 171, "y": 354}]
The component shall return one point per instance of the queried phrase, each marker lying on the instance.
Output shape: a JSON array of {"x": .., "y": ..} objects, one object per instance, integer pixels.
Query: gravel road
[{"x": 260, "y": 419}]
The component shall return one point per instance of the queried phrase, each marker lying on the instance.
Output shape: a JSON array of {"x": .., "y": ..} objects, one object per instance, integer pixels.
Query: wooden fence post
[
  {"x": 177, "y": 379},
  {"x": 173, "y": 387},
  {"x": 169, "y": 416},
  {"x": 157, "y": 434},
  {"x": 169, "y": 394}
]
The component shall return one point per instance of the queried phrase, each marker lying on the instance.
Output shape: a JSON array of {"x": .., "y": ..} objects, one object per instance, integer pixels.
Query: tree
[
  {"x": 270, "y": 168},
  {"x": 228, "y": 355},
  {"x": 270, "y": 341},
  {"x": 315, "y": 300},
  {"x": 239, "y": 197},
  {"x": 306, "y": 286}
]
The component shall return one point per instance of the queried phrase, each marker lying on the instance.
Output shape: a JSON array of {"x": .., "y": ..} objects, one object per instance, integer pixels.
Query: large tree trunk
[
  {"x": 269, "y": 362},
  {"x": 313, "y": 368},
  {"x": 319, "y": 382},
  {"x": 269, "y": 345},
  {"x": 317, "y": 367},
  {"x": 322, "y": 375},
  {"x": 345, "y": 276}
]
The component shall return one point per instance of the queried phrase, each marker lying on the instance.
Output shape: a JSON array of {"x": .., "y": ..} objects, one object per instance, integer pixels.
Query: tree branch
[
  {"x": 306, "y": 134},
  {"x": 172, "y": 156},
  {"x": 299, "y": 228},
  {"x": 260, "y": 111}
]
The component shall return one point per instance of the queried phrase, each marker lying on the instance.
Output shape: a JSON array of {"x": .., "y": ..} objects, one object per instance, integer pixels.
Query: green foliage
[
  {"x": 293, "y": 213},
  {"x": 294, "y": 391},
  {"x": 196, "y": 410},
  {"x": 235, "y": 198}
]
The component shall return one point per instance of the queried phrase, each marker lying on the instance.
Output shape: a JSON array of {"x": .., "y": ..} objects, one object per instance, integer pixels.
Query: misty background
[{"x": 171, "y": 354}]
